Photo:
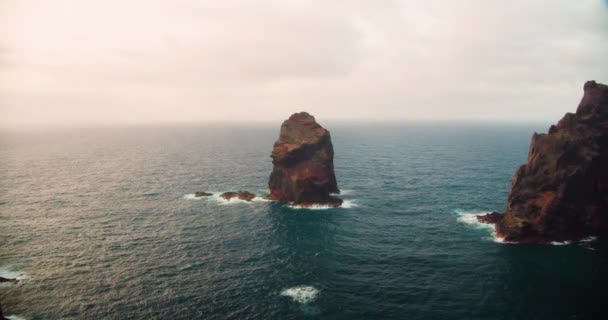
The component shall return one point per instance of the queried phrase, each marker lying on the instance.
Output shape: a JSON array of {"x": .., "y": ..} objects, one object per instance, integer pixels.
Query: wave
[
  {"x": 14, "y": 317},
  {"x": 470, "y": 218},
  {"x": 9, "y": 273},
  {"x": 301, "y": 294},
  {"x": 344, "y": 192},
  {"x": 347, "y": 204},
  {"x": 191, "y": 196},
  {"x": 216, "y": 196}
]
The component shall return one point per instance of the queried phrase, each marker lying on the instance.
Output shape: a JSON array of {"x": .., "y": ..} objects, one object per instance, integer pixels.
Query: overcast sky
[{"x": 139, "y": 61}]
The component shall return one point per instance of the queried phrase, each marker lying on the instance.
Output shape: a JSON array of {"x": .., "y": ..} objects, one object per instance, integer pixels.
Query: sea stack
[
  {"x": 303, "y": 159},
  {"x": 561, "y": 193}
]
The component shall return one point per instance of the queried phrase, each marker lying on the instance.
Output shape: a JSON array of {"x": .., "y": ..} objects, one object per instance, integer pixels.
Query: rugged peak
[
  {"x": 590, "y": 84},
  {"x": 301, "y": 128},
  {"x": 561, "y": 193},
  {"x": 595, "y": 99}
]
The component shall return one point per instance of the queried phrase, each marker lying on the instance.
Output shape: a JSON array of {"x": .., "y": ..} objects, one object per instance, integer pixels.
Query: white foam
[
  {"x": 588, "y": 239},
  {"x": 301, "y": 294},
  {"x": 346, "y": 204},
  {"x": 9, "y": 273},
  {"x": 260, "y": 199},
  {"x": 192, "y": 196},
  {"x": 470, "y": 218},
  {"x": 560, "y": 243},
  {"x": 345, "y": 192},
  {"x": 217, "y": 197},
  {"x": 14, "y": 317}
]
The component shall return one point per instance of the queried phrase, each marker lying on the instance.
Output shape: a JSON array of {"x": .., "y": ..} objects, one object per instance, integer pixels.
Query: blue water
[{"x": 96, "y": 223}]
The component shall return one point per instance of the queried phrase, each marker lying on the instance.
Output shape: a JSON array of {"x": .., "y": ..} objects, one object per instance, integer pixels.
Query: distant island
[{"x": 561, "y": 193}]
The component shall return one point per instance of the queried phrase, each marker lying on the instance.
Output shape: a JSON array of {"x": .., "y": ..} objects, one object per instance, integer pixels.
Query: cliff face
[
  {"x": 561, "y": 193},
  {"x": 303, "y": 171}
]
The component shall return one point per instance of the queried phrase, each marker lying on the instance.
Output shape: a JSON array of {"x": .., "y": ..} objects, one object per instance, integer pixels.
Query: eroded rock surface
[
  {"x": 303, "y": 171},
  {"x": 561, "y": 193}
]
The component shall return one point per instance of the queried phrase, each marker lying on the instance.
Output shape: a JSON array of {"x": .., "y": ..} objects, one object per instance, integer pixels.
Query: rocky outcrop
[
  {"x": 13, "y": 280},
  {"x": 241, "y": 195},
  {"x": 199, "y": 194},
  {"x": 491, "y": 218},
  {"x": 561, "y": 193},
  {"x": 303, "y": 168}
]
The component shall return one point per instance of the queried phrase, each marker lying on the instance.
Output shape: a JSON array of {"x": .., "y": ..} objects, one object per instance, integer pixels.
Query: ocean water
[{"x": 100, "y": 224}]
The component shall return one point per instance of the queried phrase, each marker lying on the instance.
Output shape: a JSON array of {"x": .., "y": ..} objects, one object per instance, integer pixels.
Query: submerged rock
[
  {"x": 303, "y": 164},
  {"x": 242, "y": 195},
  {"x": 561, "y": 193},
  {"x": 199, "y": 194}
]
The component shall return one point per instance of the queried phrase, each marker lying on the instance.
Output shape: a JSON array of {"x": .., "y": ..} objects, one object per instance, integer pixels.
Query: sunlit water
[{"x": 101, "y": 224}]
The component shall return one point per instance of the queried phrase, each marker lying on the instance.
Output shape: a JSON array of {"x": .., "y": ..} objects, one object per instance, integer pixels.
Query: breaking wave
[
  {"x": 470, "y": 218},
  {"x": 345, "y": 192},
  {"x": 347, "y": 204},
  {"x": 191, "y": 196},
  {"x": 217, "y": 198},
  {"x": 301, "y": 294},
  {"x": 9, "y": 273}
]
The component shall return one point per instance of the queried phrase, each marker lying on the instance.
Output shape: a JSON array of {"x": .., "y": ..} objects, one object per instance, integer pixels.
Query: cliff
[
  {"x": 303, "y": 169},
  {"x": 561, "y": 193}
]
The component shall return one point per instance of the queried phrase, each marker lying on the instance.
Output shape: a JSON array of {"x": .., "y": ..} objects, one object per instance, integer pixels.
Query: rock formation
[
  {"x": 13, "y": 280},
  {"x": 199, "y": 194},
  {"x": 242, "y": 195},
  {"x": 561, "y": 193},
  {"x": 303, "y": 172}
]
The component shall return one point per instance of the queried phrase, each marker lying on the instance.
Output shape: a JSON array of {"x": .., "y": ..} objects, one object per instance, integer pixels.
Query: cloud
[{"x": 77, "y": 61}]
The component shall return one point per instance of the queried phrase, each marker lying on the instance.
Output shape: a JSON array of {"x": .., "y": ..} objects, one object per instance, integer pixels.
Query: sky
[{"x": 85, "y": 62}]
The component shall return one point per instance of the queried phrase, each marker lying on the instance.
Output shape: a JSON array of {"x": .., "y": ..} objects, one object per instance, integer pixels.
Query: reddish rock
[
  {"x": 242, "y": 195},
  {"x": 490, "y": 218},
  {"x": 561, "y": 193},
  {"x": 303, "y": 171}
]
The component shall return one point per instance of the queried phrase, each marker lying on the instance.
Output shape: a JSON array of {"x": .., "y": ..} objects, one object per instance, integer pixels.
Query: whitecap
[
  {"x": 260, "y": 199},
  {"x": 470, "y": 218},
  {"x": 301, "y": 294},
  {"x": 14, "y": 317},
  {"x": 588, "y": 239},
  {"x": 345, "y": 192},
  {"x": 8, "y": 273},
  {"x": 192, "y": 196},
  {"x": 560, "y": 243},
  {"x": 347, "y": 204}
]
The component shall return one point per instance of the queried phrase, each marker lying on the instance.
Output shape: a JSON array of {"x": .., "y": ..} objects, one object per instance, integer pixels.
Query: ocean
[{"x": 100, "y": 223}]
